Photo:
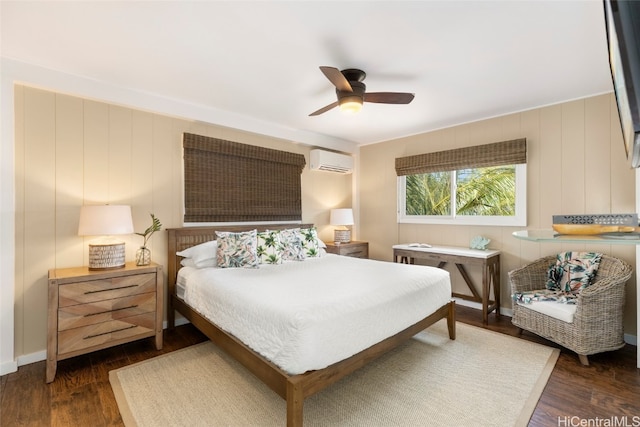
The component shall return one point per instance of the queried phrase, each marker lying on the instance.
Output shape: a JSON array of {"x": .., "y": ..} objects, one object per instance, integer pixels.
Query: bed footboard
[{"x": 304, "y": 385}]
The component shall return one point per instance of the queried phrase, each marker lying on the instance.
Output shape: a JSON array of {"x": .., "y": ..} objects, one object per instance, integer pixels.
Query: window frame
[{"x": 517, "y": 220}]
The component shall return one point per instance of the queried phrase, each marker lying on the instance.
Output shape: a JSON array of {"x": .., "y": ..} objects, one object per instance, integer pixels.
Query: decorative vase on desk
[{"x": 143, "y": 255}]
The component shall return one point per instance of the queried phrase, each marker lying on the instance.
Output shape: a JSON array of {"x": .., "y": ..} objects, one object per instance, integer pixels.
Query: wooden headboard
[{"x": 186, "y": 237}]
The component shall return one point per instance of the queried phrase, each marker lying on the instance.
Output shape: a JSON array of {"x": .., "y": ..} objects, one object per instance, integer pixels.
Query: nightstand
[
  {"x": 90, "y": 310},
  {"x": 353, "y": 249}
]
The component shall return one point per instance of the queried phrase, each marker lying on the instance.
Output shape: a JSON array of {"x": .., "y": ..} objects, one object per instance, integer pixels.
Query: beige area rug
[{"x": 483, "y": 378}]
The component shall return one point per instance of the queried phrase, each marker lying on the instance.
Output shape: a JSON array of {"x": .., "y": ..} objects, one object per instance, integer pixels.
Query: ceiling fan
[{"x": 352, "y": 93}]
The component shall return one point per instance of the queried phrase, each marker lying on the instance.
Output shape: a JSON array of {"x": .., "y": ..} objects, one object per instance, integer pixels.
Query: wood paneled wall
[
  {"x": 72, "y": 151},
  {"x": 576, "y": 164}
]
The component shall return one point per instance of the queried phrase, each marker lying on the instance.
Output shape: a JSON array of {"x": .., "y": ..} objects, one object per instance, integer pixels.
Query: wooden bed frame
[{"x": 293, "y": 388}]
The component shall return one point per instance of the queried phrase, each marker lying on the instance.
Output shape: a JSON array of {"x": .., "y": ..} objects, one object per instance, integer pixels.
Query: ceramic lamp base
[
  {"x": 342, "y": 236},
  {"x": 106, "y": 257}
]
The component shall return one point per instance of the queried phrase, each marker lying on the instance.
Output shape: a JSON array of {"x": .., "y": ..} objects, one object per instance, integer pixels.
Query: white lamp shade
[
  {"x": 105, "y": 220},
  {"x": 341, "y": 217}
]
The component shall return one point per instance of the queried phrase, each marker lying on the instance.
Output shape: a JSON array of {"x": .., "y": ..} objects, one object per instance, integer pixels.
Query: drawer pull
[
  {"x": 110, "y": 311},
  {"x": 110, "y": 289},
  {"x": 110, "y": 332}
]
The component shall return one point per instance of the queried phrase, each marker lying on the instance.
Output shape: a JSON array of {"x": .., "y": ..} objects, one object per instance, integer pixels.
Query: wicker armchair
[{"x": 598, "y": 322}]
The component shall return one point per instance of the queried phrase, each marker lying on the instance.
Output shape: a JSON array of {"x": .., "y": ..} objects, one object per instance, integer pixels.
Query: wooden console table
[{"x": 488, "y": 260}]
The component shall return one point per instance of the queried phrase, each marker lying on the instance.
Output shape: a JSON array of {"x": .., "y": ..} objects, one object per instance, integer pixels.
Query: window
[{"x": 483, "y": 185}]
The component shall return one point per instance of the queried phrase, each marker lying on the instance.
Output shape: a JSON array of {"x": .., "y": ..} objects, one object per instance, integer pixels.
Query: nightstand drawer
[
  {"x": 353, "y": 249},
  {"x": 93, "y": 335},
  {"x": 98, "y": 290},
  {"x": 74, "y": 316},
  {"x": 357, "y": 252}
]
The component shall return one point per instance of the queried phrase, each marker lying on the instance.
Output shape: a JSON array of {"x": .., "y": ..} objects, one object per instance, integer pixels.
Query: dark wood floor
[{"x": 81, "y": 394}]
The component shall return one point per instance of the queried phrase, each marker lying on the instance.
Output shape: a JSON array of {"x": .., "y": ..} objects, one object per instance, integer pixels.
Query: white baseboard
[
  {"x": 631, "y": 339},
  {"x": 179, "y": 322},
  {"x": 478, "y": 306},
  {"x": 27, "y": 359},
  {"x": 32, "y": 358},
  {"x": 8, "y": 367}
]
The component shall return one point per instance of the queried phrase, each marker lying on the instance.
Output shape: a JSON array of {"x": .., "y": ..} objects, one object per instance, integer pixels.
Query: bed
[{"x": 305, "y": 373}]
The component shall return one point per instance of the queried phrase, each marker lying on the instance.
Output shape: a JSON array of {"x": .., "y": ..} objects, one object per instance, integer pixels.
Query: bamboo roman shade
[
  {"x": 226, "y": 181},
  {"x": 479, "y": 156}
]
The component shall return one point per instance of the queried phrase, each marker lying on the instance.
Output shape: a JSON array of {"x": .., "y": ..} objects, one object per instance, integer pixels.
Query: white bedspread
[{"x": 310, "y": 314}]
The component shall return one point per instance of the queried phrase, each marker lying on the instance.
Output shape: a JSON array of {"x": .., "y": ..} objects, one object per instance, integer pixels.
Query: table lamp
[
  {"x": 341, "y": 217},
  {"x": 107, "y": 252}
]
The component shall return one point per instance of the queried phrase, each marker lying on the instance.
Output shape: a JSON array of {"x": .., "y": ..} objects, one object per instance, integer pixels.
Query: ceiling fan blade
[
  {"x": 324, "y": 109},
  {"x": 389, "y": 97},
  {"x": 336, "y": 78}
]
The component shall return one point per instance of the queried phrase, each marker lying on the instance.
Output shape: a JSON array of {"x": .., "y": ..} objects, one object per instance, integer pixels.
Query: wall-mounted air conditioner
[{"x": 331, "y": 162}]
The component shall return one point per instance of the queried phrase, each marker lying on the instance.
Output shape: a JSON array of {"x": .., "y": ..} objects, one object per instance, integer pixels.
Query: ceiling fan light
[{"x": 351, "y": 104}]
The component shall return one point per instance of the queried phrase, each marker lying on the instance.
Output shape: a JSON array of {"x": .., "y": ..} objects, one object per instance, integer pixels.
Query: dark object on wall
[
  {"x": 622, "y": 20},
  {"x": 226, "y": 181}
]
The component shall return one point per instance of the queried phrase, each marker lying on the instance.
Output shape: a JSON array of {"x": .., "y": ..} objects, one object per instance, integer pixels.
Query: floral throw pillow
[
  {"x": 292, "y": 249},
  {"x": 573, "y": 271},
  {"x": 237, "y": 249},
  {"x": 269, "y": 247},
  {"x": 310, "y": 243}
]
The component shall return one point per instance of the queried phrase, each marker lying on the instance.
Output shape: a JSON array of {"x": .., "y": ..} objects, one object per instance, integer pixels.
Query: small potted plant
[{"x": 143, "y": 255}]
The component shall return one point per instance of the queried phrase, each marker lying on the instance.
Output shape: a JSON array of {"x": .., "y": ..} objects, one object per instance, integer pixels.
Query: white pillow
[
  {"x": 202, "y": 255},
  {"x": 187, "y": 262}
]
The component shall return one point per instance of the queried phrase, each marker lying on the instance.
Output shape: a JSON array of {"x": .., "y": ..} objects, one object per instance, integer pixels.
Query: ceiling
[{"x": 257, "y": 61}]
